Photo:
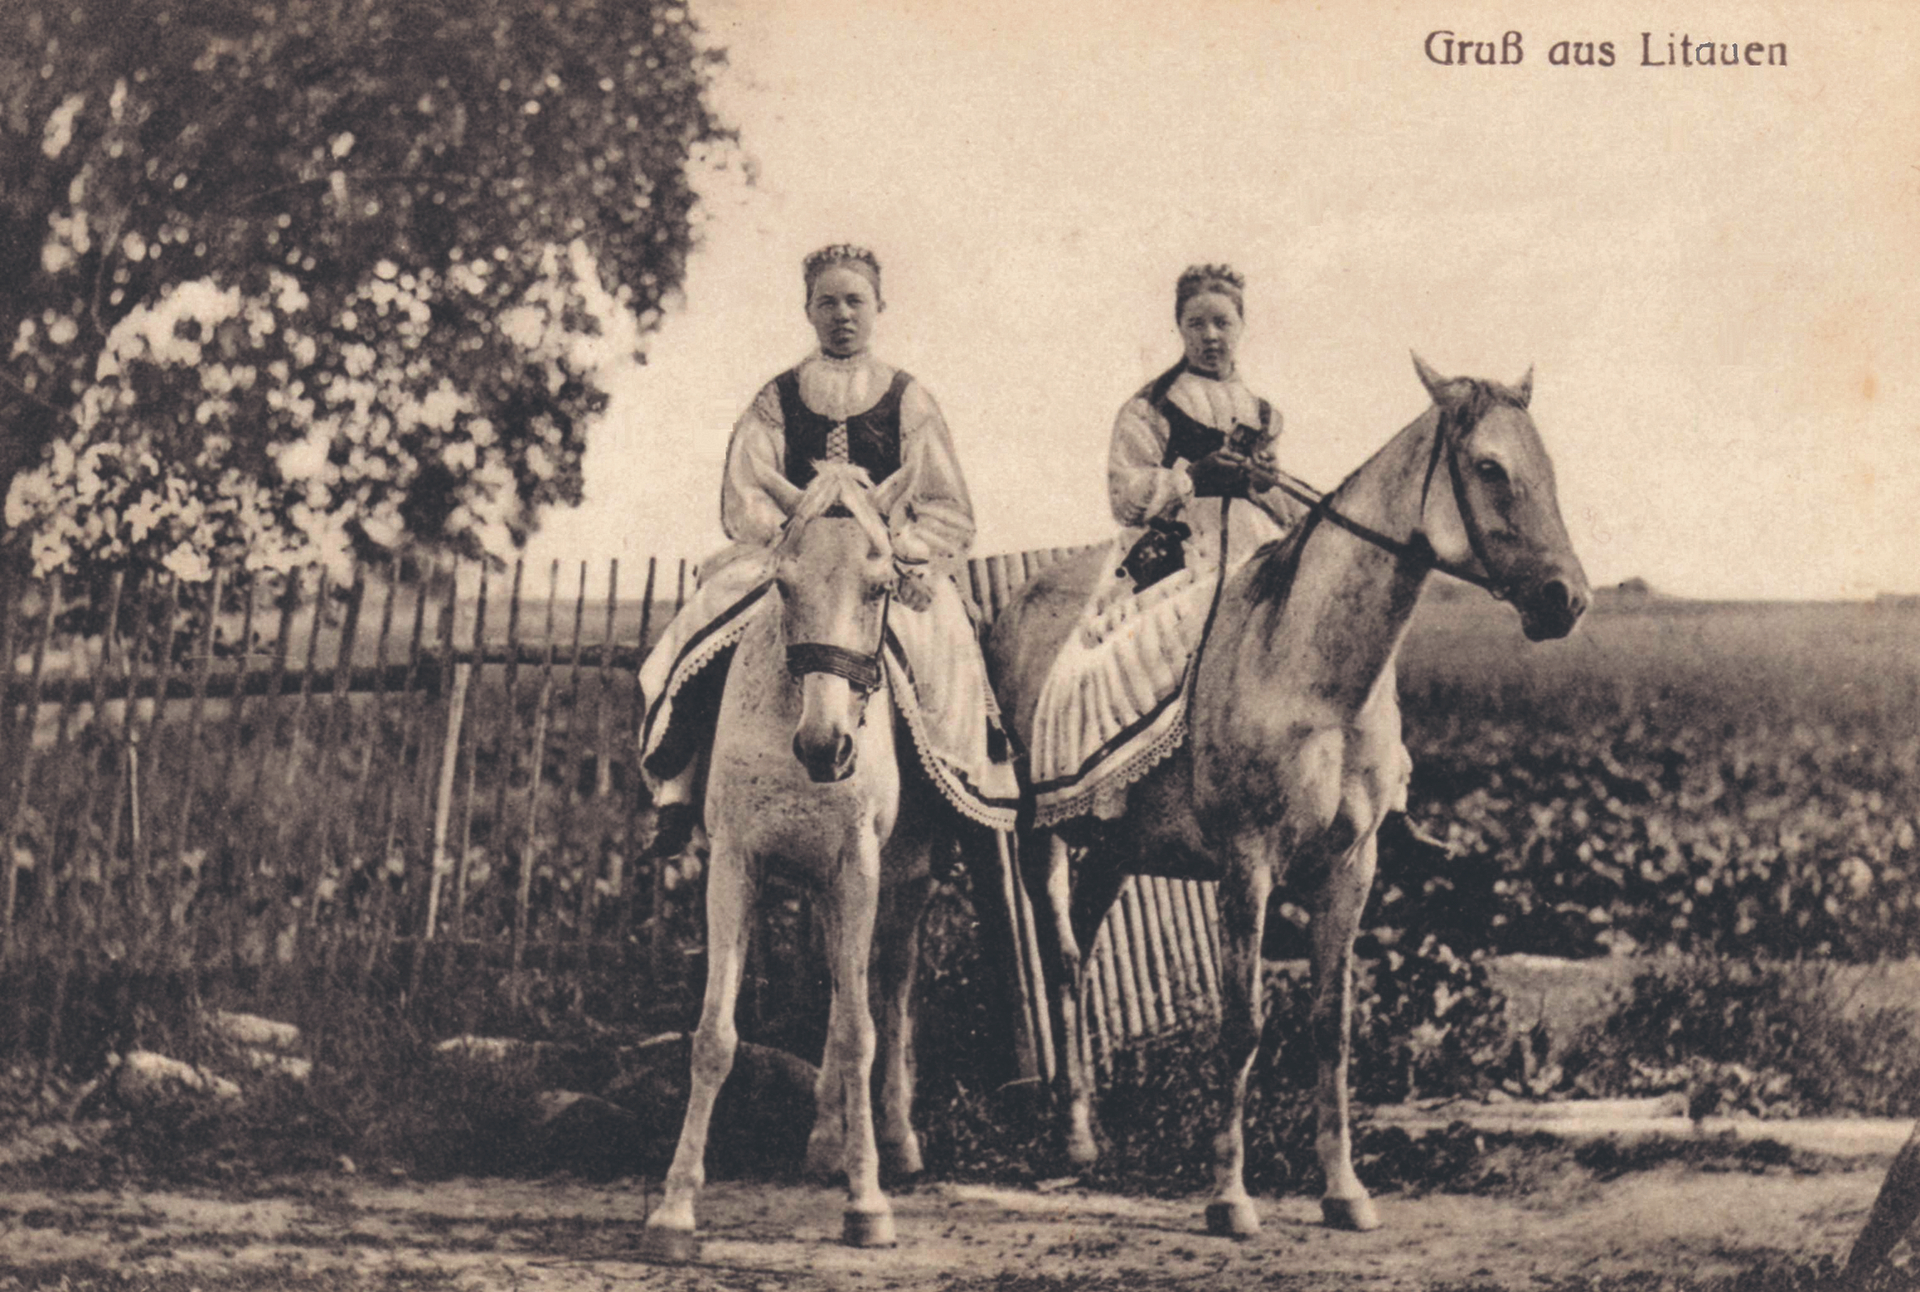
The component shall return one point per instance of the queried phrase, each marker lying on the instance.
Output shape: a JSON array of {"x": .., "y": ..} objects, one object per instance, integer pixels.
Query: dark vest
[
  {"x": 1189, "y": 440},
  {"x": 873, "y": 437}
]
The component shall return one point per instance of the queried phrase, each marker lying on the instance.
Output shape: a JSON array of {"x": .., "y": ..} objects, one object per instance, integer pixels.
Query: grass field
[
  {"x": 1723, "y": 776},
  {"x": 1748, "y": 665}
]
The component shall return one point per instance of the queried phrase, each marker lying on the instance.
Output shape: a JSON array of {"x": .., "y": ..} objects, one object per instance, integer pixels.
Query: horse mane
[
  {"x": 843, "y": 489},
  {"x": 1466, "y": 401},
  {"x": 1275, "y": 563}
]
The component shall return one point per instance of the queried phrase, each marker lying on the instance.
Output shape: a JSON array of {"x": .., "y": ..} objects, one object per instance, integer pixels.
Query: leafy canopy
[{"x": 301, "y": 279}]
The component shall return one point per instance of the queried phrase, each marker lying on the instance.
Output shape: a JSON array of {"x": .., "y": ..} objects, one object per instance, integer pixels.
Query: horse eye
[{"x": 1490, "y": 471}]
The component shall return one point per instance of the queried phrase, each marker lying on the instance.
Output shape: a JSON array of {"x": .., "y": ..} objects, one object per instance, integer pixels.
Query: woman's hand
[
  {"x": 1263, "y": 471},
  {"x": 910, "y": 586},
  {"x": 1221, "y": 474}
]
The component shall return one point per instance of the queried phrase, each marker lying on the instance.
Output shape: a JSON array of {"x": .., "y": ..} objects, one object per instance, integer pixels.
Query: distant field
[{"x": 1688, "y": 661}]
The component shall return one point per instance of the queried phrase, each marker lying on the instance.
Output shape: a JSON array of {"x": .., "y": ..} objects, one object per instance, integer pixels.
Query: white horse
[
  {"x": 1293, "y": 754},
  {"x": 806, "y": 780}
]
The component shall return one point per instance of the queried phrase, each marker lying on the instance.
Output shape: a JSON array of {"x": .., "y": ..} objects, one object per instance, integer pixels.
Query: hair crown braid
[
  {"x": 856, "y": 258},
  {"x": 1196, "y": 279}
]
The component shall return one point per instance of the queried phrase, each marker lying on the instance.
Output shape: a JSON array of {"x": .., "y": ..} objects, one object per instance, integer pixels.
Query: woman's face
[
  {"x": 841, "y": 308},
  {"x": 1210, "y": 327}
]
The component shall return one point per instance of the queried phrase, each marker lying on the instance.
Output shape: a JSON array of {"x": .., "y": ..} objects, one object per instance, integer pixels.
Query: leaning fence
[
  {"x": 1155, "y": 962},
  {"x": 278, "y": 770}
]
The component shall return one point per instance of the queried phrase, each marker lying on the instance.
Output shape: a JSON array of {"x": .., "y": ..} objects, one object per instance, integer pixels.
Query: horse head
[
  {"x": 834, "y": 573},
  {"x": 1505, "y": 516}
]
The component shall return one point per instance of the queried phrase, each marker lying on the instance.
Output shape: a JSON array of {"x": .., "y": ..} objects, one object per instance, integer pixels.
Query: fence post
[
  {"x": 373, "y": 740},
  {"x": 29, "y": 721},
  {"x": 656, "y": 947},
  {"x": 196, "y": 719},
  {"x": 443, "y": 796},
  {"x": 523, "y": 895},
  {"x": 463, "y": 861}
]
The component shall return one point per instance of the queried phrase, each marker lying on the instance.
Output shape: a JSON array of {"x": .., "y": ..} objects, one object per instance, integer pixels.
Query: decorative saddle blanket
[
  {"x": 940, "y": 692},
  {"x": 1115, "y": 702}
]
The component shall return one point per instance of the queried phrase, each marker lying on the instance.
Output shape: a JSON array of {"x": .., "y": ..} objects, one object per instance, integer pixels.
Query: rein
[
  {"x": 1421, "y": 551},
  {"x": 1320, "y": 507}
]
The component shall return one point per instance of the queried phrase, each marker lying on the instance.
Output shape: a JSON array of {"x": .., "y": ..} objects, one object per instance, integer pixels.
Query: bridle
[
  {"x": 862, "y": 671},
  {"x": 1446, "y": 439}
]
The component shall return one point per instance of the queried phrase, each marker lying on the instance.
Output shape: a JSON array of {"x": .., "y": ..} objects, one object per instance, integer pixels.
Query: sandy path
[{"x": 565, "y": 1235}]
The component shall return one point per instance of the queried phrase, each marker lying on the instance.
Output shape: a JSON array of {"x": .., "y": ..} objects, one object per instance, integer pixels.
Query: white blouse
[
  {"x": 925, "y": 502},
  {"x": 1140, "y": 488}
]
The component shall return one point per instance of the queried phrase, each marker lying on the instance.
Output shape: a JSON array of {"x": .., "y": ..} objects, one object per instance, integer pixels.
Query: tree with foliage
[{"x": 288, "y": 281}]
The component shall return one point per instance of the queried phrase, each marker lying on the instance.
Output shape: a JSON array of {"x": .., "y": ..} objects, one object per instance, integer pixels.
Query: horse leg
[
  {"x": 852, "y": 906},
  {"x": 826, "y": 1145},
  {"x": 1069, "y": 912},
  {"x": 903, "y": 907},
  {"x": 1243, "y": 894},
  {"x": 730, "y": 902},
  {"x": 1343, "y": 895}
]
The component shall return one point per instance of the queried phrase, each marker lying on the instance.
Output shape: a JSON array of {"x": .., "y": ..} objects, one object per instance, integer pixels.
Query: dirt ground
[{"x": 1558, "y": 1223}]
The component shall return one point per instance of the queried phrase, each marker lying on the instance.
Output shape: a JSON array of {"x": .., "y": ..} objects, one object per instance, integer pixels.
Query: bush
[
  {"x": 1425, "y": 1023},
  {"x": 1693, "y": 776},
  {"x": 1754, "y": 1036}
]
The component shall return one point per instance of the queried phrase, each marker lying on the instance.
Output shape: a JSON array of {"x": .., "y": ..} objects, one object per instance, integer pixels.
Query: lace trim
[
  {"x": 951, "y": 787},
  {"x": 688, "y": 668},
  {"x": 1102, "y": 793}
]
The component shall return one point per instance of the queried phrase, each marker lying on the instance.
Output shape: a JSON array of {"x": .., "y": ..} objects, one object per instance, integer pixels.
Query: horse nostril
[{"x": 843, "y": 752}]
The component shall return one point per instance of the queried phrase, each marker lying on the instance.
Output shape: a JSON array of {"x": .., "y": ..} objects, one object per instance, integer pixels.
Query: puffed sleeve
[
  {"x": 1138, "y": 487},
  {"x": 756, "y": 497},
  {"x": 929, "y": 513}
]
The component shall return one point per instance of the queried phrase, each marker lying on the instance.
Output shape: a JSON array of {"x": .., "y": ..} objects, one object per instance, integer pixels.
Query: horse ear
[
  {"x": 1432, "y": 380},
  {"x": 1523, "y": 389}
]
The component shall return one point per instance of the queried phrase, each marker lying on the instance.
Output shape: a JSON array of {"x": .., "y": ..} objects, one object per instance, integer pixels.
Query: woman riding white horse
[{"x": 840, "y": 404}]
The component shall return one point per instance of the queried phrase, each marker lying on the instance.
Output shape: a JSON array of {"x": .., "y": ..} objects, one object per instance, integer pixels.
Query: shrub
[{"x": 1756, "y": 1036}]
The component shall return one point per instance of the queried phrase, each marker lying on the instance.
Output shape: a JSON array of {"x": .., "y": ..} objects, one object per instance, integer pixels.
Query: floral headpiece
[
  {"x": 858, "y": 259},
  {"x": 1210, "y": 278}
]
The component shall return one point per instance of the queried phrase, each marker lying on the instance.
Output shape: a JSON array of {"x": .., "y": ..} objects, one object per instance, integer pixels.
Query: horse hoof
[
  {"x": 902, "y": 1161},
  {"x": 1358, "y": 1214},
  {"x": 1233, "y": 1219},
  {"x": 822, "y": 1174},
  {"x": 868, "y": 1229},
  {"x": 669, "y": 1246}
]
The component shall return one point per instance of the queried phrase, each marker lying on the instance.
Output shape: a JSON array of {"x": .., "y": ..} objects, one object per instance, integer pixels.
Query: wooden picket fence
[
  {"x": 1155, "y": 963},
  {"x": 401, "y": 759},
  {"x": 430, "y": 760}
]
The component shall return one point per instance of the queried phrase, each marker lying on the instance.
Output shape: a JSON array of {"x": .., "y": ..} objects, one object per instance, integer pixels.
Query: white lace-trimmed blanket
[
  {"x": 939, "y": 688},
  {"x": 1115, "y": 703}
]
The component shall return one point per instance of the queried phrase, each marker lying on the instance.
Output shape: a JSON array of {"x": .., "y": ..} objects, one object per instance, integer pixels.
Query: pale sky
[{"x": 1715, "y": 272}]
